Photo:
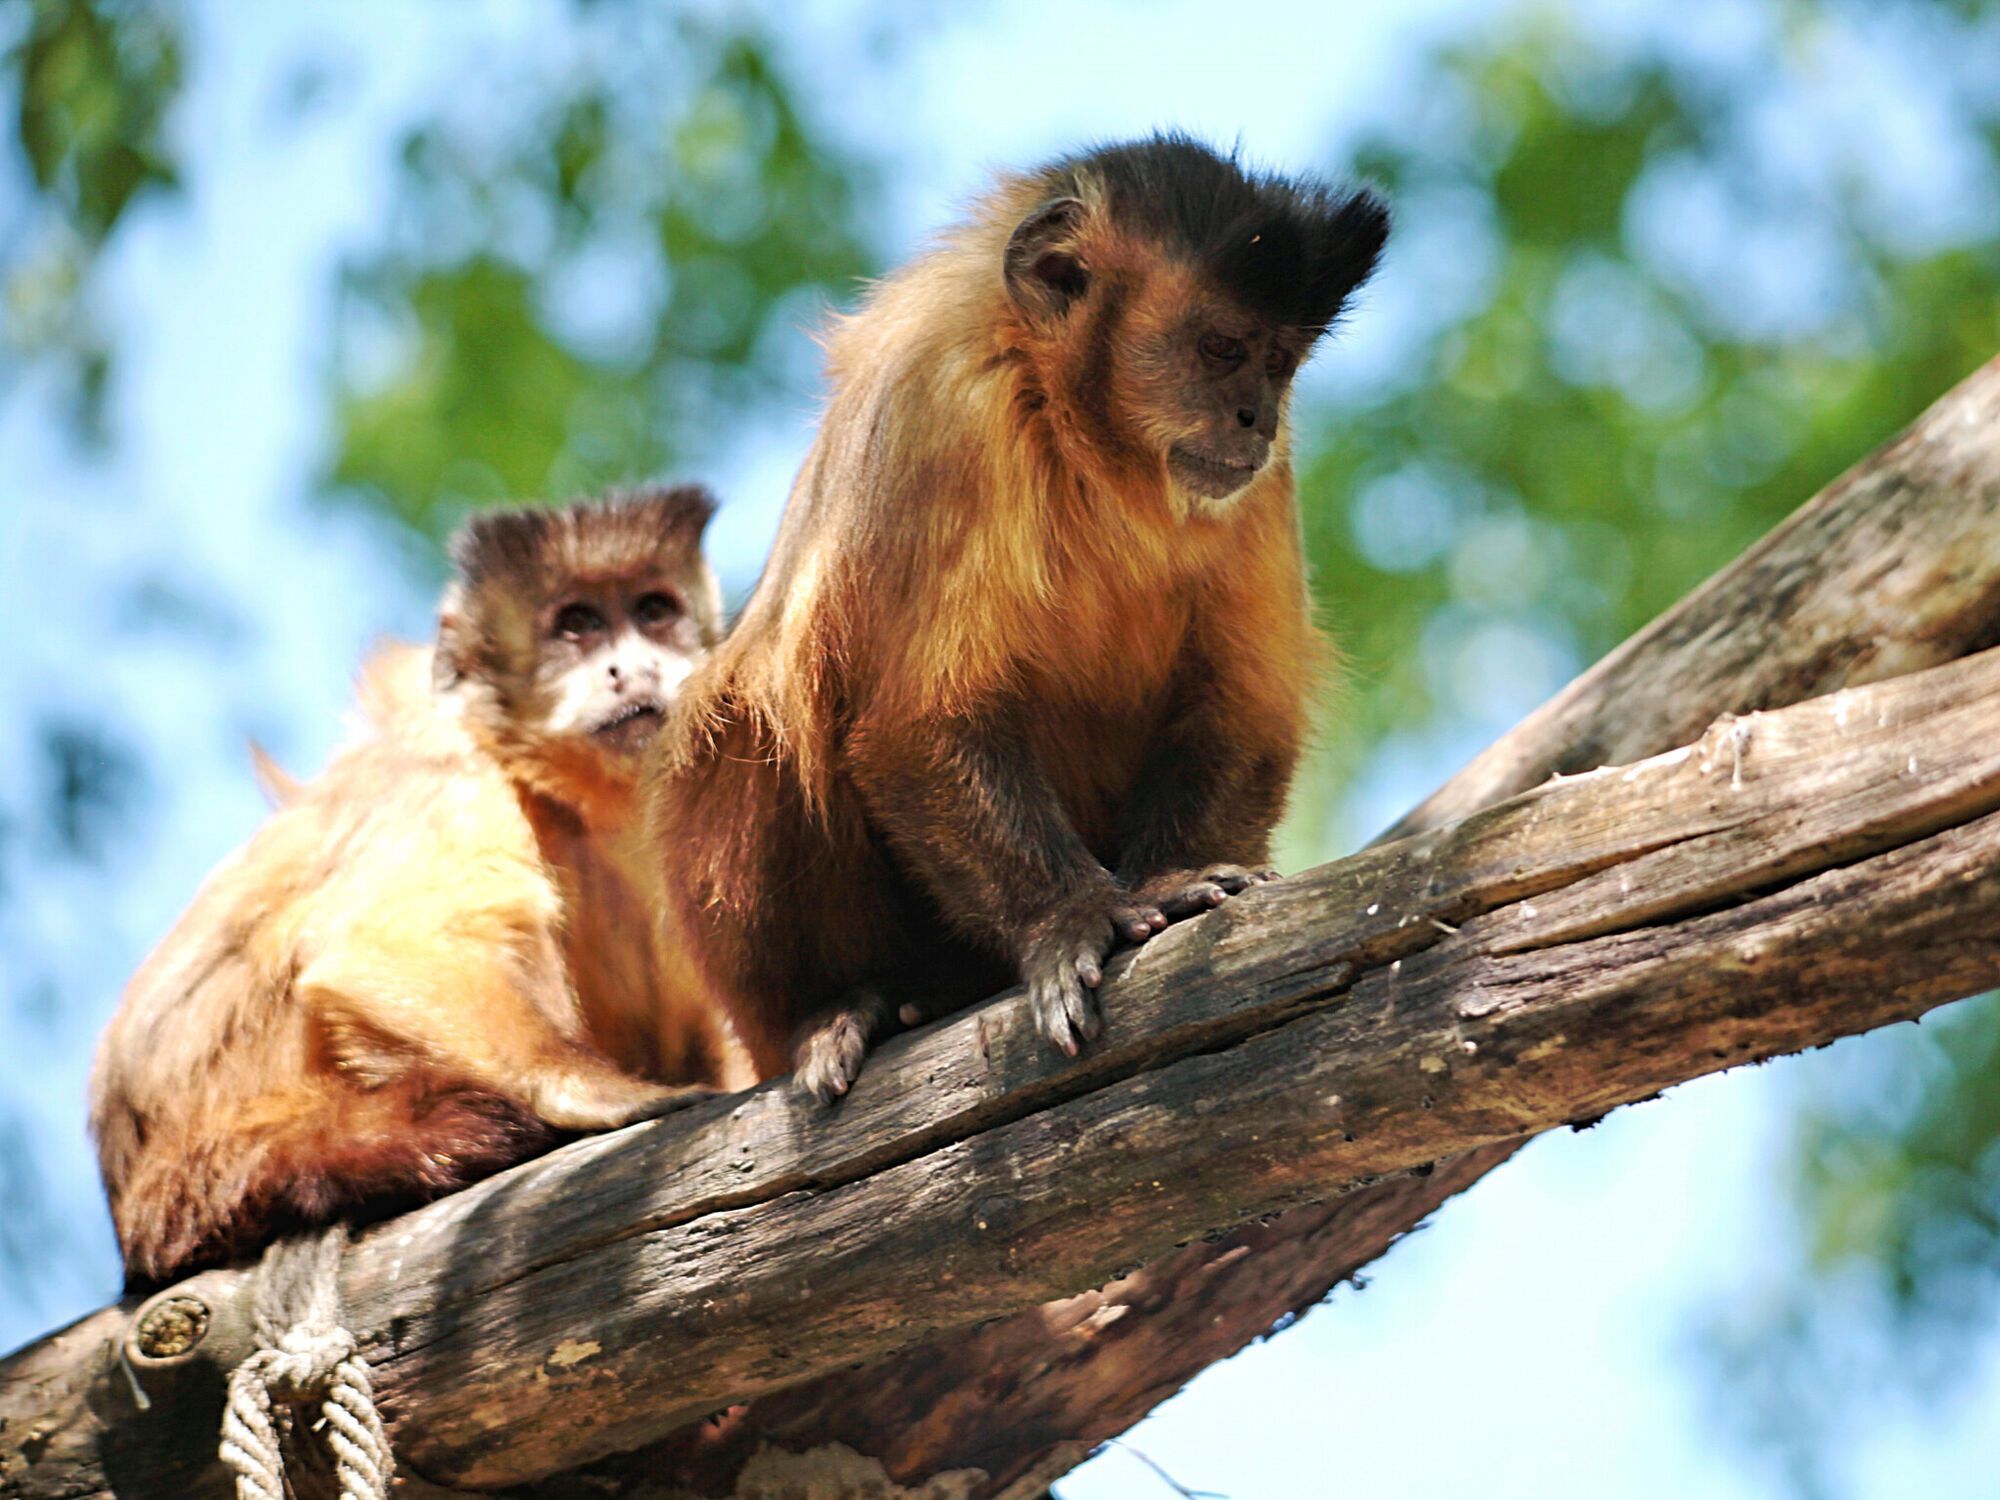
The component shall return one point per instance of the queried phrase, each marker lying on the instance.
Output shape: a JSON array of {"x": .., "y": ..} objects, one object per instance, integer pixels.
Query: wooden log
[
  {"x": 1895, "y": 567},
  {"x": 1376, "y": 1017}
]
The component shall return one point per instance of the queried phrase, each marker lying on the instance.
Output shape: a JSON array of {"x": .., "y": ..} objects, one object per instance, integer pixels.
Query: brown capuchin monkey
[
  {"x": 433, "y": 961},
  {"x": 1028, "y": 670}
]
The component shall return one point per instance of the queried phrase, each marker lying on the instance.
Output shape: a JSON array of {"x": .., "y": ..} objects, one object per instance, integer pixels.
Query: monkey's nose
[{"x": 1245, "y": 417}]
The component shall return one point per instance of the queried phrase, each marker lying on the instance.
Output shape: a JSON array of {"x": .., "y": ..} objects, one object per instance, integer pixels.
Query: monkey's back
[{"x": 219, "y": 1107}]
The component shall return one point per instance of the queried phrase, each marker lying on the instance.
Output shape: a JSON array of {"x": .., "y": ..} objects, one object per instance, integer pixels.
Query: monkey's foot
[
  {"x": 1189, "y": 893},
  {"x": 829, "y": 1055},
  {"x": 1064, "y": 962}
]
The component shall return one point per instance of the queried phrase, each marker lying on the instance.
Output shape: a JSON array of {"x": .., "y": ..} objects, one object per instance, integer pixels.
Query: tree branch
[
  {"x": 1793, "y": 877},
  {"x": 1895, "y": 567}
]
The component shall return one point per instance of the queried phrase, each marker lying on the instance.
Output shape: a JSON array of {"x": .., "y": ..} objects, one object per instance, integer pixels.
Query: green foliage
[
  {"x": 92, "y": 83},
  {"x": 1896, "y": 1190},
  {"x": 1919, "y": 1154},
  {"x": 1597, "y": 428},
  {"x": 1624, "y": 388},
  {"x": 589, "y": 296}
]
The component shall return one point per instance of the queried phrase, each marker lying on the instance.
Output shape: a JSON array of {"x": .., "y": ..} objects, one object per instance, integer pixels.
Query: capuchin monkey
[
  {"x": 434, "y": 960},
  {"x": 1028, "y": 671}
]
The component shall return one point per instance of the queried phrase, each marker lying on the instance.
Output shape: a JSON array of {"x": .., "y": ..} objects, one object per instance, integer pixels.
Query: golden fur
[
  {"x": 986, "y": 548},
  {"x": 426, "y": 965}
]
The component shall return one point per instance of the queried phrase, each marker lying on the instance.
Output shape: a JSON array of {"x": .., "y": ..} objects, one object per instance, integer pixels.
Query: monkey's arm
[
  {"x": 967, "y": 810},
  {"x": 1196, "y": 827},
  {"x": 473, "y": 1006}
]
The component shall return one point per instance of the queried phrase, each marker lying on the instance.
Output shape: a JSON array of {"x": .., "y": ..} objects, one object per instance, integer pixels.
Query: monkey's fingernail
[{"x": 1090, "y": 974}]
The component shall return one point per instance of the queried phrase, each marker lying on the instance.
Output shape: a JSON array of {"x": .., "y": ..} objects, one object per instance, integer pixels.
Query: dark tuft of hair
[
  {"x": 1291, "y": 249},
  {"x": 531, "y": 548}
]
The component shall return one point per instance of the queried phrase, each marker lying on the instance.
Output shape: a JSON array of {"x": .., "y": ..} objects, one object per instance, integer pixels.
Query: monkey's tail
[{"x": 323, "y": 1151}]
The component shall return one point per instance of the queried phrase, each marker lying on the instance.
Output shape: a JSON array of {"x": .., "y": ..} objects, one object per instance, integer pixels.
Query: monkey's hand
[
  {"x": 1064, "y": 960},
  {"x": 1189, "y": 893}
]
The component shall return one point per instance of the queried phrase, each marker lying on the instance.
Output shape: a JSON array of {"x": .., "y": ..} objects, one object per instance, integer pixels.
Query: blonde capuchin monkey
[{"x": 433, "y": 961}]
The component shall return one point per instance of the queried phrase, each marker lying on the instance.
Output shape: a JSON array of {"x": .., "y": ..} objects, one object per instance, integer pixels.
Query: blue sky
[{"x": 1533, "y": 1341}]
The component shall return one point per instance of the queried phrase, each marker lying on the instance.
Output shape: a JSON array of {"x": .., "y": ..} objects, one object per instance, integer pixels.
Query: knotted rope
[{"x": 303, "y": 1356}]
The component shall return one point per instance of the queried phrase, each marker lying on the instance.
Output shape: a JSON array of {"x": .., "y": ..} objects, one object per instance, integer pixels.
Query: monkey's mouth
[
  {"x": 1211, "y": 478},
  {"x": 631, "y": 725}
]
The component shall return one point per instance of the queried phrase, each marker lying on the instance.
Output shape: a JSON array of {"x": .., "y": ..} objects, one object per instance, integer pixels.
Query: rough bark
[
  {"x": 1894, "y": 567},
  {"x": 1781, "y": 884},
  {"x": 1794, "y": 877}
]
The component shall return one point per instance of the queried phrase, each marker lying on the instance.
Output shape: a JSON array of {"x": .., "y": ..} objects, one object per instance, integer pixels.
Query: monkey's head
[
  {"x": 1168, "y": 296},
  {"x": 567, "y": 632}
]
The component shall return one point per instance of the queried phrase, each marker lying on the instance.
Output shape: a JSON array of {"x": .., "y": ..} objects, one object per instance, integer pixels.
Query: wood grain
[
  {"x": 1895, "y": 567},
  {"x": 1418, "y": 1002}
]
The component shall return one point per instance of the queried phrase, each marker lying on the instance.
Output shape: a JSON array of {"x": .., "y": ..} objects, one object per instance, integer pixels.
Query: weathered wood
[
  {"x": 1200, "y": 1108},
  {"x": 1893, "y": 569},
  {"x": 1375, "y": 1017}
]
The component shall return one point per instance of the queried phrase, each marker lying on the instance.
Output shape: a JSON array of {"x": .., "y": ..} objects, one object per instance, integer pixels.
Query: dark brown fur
[
  {"x": 1027, "y": 671},
  {"x": 433, "y": 961}
]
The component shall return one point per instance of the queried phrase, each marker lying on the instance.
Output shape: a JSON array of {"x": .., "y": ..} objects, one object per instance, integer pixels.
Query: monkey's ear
[
  {"x": 1045, "y": 270},
  {"x": 1353, "y": 236}
]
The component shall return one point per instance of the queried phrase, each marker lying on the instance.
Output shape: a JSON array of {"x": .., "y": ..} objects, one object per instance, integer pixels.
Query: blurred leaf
[
  {"x": 92, "y": 83},
  {"x": 1595, "y": 434},
  {"x": 585, "y": 294},
  {"x": 93, "y": 782},
  {"x": 1665, "y": 339}
]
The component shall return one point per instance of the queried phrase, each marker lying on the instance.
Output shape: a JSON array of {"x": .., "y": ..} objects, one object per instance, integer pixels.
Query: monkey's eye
[
  {"x": 655, "y": 608},
  {"x": 576, "y": 620},
  {"x": 1219, "y": 349},
  {"x": 1278, "y": 362}
]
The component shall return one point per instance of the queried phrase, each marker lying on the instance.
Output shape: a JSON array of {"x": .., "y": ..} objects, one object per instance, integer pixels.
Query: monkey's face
[
  {"x": 1207, "y": 383},
  {"x": 611, "y": 658},
  {"x": 1155, "y": 361},
  {"x": 567, "y": 633},
  {"x": 1167, "y": 296}
]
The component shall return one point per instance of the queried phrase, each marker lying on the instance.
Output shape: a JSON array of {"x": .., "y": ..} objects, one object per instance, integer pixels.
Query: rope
[{"x": 303, "y": 1356}]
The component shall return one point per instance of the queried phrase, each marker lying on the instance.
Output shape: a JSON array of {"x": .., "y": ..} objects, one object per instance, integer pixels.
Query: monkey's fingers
[
  {"x": 1137, "y": 923},
  {"x": 830, "y": 1057},
  {"x": 1189, "y": 894},
  {"x": 1059, "y": 992},
  {"x": 1086, "y": 1016},
  {"x": 1193, "y": 899}
]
